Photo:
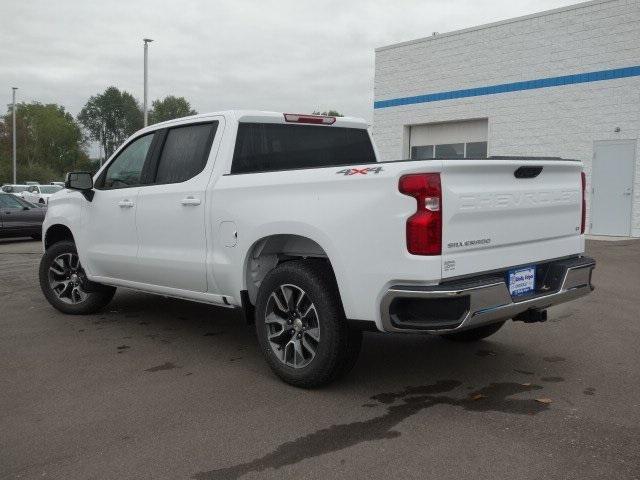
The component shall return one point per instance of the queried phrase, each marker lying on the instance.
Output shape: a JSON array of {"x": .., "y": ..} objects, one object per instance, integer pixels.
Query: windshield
[
  {"x": 50, "y": 189},
  {"x": 14, "y": 188}
]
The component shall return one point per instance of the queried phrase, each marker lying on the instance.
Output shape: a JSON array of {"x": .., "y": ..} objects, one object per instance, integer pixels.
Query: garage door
[{"x": 463, "y": 139}]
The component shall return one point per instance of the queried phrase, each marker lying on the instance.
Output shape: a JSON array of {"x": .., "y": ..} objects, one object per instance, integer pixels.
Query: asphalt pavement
[{"x": 156, "y": 388}]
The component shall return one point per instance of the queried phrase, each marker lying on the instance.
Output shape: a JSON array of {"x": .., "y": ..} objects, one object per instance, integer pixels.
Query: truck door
[
  {"x": 109, "y": 231},
  {"x": 171, "y": 215}
]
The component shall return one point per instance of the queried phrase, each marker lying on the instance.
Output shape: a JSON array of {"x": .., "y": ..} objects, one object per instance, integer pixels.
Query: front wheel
[
  {"x": 65, "y": 284},
  {"x": 301, "y": 325}
]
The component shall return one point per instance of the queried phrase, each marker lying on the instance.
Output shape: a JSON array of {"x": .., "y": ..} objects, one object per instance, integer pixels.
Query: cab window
[
  {"x": 185, "y": 152},
  {"x": 126, "y": 170}
]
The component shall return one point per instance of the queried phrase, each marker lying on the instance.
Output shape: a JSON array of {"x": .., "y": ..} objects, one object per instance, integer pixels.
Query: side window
[
  {"x": 185, "y": 152},
  {"x": 450, "y": 150},
  {"x": 422, "y": 152},
  {"x": 9, "y": 201},
  {"x": 125, "y": 171}
]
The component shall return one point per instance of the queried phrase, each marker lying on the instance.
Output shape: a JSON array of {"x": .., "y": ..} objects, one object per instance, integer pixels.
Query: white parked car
[
  {"x": 40, "y": 193},
  {"x": 15, "y": 189},
  {"x": 292, "y": 219}
]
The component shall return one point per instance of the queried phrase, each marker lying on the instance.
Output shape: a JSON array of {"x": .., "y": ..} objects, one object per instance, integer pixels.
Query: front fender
[{"x": 66, "y": 209}]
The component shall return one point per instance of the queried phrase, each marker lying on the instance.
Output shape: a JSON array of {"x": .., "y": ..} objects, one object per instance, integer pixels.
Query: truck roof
[{"x": 258, "y": 116}]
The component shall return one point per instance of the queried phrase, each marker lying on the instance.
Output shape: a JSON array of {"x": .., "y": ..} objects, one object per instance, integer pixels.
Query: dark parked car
[{"x": 19, "y": 218}]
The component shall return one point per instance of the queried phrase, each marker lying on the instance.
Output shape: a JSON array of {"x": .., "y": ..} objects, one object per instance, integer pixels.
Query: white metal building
[{"x": 564, "y": 82}]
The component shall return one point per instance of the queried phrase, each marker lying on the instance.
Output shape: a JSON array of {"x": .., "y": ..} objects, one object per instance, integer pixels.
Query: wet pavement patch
[
  {"x": 103, "y": 320},
  {"x": 400, "y": 406},
  {"x": 486, "y": 353},
  {"x": 554, "y": 359},
  {"x": 164, "y": 366}
]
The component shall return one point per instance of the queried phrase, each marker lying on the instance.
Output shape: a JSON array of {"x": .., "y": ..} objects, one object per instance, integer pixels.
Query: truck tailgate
[{"x": 501, "y": 213}]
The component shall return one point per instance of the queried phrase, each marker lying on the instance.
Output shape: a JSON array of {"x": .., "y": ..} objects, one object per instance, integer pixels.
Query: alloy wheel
[
  {"x": 67, "y": 278},
  {"x": 293, "y": 327}
]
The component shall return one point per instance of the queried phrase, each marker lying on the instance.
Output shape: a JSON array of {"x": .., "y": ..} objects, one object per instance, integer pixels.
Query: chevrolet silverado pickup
[{"x": 292, "y": 219}]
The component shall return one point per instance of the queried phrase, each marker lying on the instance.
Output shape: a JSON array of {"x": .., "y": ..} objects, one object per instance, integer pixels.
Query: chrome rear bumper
[{"x": 486, "y": 299}]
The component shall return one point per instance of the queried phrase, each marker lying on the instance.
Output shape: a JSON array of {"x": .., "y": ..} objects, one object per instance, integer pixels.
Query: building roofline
[{"x": 545, "y": 13}]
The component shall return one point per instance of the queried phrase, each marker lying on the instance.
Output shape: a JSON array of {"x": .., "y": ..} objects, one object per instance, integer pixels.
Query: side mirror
[{"x": 82, "y": 181}]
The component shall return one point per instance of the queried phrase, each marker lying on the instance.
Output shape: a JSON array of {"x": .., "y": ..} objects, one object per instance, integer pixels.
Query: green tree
[
  {"x": 168, "y": 108},
  {"x": 49, "y": 143},
  {"x": 110, "y": 117},
  {"x": 330, "y": 113}
]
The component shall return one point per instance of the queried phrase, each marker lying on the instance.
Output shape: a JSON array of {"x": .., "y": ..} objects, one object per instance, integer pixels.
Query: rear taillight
[
  {"x": 424, "y": 228},
  {"x": 584, "y": 202}
]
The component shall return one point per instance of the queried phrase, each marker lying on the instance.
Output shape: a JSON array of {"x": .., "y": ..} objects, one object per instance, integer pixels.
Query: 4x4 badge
[{"x": 359, "y": 171}]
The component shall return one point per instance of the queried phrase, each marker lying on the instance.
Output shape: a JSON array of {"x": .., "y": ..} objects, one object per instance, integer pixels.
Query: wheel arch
[
  {"x": 270, "y": 251},
  {"x": 56, "y": 233}
]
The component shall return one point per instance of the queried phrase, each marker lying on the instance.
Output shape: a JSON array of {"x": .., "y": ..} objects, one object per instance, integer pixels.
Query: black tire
[
  {"x": 336, "y": 352},
  {"x": 97, "y": 296},
  {"x": 474, "y": 334}
]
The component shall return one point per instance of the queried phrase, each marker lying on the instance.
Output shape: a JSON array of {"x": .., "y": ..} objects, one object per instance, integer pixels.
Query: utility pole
[
  {"x": 147, "y": 41},
  {"x": 13, "y": 111}
]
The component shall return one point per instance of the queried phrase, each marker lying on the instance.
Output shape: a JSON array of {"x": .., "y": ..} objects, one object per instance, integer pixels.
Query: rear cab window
[{"x": 268, "y": 147}]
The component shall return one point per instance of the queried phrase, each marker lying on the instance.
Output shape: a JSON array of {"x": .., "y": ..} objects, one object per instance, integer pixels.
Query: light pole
[
  {"x": 13, "y": 112},
  {"x": 147, "y": 41}
]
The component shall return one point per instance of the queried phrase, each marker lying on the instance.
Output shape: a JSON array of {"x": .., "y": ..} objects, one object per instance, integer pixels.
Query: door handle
[
  {"x": 190, "y": 201},
  {"x": 125, "y": 204}
]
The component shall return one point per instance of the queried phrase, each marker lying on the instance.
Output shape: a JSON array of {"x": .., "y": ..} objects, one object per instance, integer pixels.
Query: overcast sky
[{"x": 286, "y": 55}]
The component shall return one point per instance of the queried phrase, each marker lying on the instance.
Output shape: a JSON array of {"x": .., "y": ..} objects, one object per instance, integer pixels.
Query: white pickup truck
[{"x": 292, "y": 219}]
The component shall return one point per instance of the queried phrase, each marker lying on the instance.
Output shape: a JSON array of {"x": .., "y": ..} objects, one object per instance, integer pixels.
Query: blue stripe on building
[{"x": 513, "y": 87}]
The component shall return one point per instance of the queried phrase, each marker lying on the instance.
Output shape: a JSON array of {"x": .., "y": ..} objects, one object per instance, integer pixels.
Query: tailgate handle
[{"x": 527, "y": 172}]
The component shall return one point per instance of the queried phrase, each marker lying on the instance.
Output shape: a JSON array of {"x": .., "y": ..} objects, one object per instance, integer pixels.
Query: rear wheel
[
  {"x": 301, "y": 325},
  {"x": 474, "y": 334},
  {"x": 65, "y": 284}
]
